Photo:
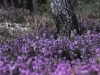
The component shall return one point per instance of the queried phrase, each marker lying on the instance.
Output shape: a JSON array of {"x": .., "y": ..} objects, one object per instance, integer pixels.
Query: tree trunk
[
  {"x": 74, "y": 4},
  {"x": 65, "y": 18},
  {"x": 31, "y": 5},
  {"x": 5, "y": 3},
  {"x": 34, "y": 5}
]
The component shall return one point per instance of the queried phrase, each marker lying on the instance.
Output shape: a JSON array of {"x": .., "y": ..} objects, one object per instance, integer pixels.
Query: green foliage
[{"x": 86, "y": 6}]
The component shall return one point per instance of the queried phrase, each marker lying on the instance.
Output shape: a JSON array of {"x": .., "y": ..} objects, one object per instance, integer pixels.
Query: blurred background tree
[{"x": 43, "y": 5}]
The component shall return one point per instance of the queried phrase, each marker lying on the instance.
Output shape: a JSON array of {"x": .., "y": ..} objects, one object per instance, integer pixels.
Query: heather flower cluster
[
  {"x": 35, "y": 55},
  {"x": 39, "y": 53}
]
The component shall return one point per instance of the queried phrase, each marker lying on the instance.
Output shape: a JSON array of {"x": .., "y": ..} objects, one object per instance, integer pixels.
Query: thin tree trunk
[
  {"x": 5, "y": 3},
  {"x": 65, "y": 18},
  {"x": 34, "y": 5}
]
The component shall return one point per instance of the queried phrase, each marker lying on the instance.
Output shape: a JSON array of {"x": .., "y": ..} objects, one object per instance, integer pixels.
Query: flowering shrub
[
  {"x": 34, "y": 55},
  {"x": 40, "y": 53}
]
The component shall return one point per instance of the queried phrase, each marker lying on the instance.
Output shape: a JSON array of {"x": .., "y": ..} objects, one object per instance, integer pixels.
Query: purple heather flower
[
  {"x": 94, "y": 67},
  {"x": 84, "y": 72},
  {"x": 1, "y": 63},
  {"x": 27, "y": 72},
  {"x": 60, "y": 51}
]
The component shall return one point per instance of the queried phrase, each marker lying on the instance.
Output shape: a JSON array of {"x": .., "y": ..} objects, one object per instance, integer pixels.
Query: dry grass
[{"x": 33, "y": 22}]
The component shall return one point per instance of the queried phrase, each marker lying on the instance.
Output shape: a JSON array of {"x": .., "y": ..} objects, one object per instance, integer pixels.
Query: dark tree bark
[
  {"x": 32, "y": 5},
  {"x": 74, "y": 4},
  {"x": 18, "y": 3},
  {"x": 41, "y": 1},
  {"x": 5, "y": 3},
  {"x": 65, "y": 18}
]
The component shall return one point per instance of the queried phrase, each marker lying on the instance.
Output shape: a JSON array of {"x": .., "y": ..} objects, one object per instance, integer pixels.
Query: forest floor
[{"x": 36, "y": 52}]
